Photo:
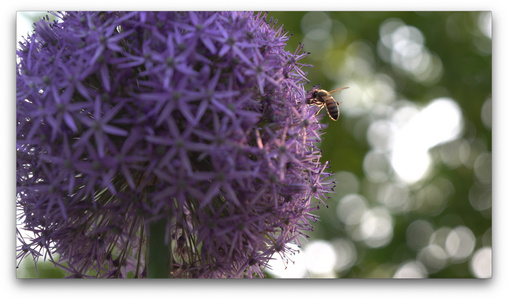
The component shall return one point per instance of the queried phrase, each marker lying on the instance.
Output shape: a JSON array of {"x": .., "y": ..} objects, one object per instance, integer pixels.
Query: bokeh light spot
[
  {"x": 411, "y": 269},
  {"x": 380, "y": 134},
  {"x": 433, "y": 257},
  {"x": 430, "y": 200},
  {"x": 486, "y": 113},
  {"x": 316, "y": 27},
  {"x": 418, "y": 234},
  {"x": 377, "y": 227},
  {"x": 394, "y": 196},
  {"x": 288, "y": 269},
  {"x": 345, "y": 252},
  {"x": 480, "y": 196},
  {"x": 403, "y": 47},
  {"x": 320, "y": 257},
  {"x": 351, "y": 209},
  {"x": 460, "y": 243},
  {"x": 485, "y": 23},
  {"x": 481, "y": 263},
  {"x": 377, "y": 166},
  {"x": 439, "y": 122},
  {"x": 439, "y": 236},
  {"x": 483, "y": 168}
]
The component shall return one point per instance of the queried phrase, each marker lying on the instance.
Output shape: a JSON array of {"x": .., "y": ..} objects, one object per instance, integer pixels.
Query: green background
[{"x": 460, "y": 42}]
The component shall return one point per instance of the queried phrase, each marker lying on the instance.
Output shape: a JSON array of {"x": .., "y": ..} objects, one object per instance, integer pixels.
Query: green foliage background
[{"x": 465, "y": 55}]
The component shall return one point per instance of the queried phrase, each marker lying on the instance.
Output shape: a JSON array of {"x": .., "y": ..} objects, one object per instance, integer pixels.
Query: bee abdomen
[{"x": 333, "y": 110}]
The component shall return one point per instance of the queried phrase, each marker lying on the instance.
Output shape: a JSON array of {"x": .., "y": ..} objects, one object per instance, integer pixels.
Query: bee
[{"x": 321, "y": 98}]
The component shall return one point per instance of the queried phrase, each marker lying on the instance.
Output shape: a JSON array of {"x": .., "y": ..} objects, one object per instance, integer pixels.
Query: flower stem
[{"x": 159, "y": 263}]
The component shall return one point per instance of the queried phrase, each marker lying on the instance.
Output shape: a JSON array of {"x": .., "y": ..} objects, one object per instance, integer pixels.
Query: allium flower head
[{"x": 182, "y": 129}]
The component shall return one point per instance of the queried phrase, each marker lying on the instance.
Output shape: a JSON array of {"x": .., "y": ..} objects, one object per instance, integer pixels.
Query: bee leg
[{"x": 319, "y": 110}]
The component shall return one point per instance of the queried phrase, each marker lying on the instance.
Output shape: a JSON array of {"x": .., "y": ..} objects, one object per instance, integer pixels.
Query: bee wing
[{"x": 337, "y": 90}]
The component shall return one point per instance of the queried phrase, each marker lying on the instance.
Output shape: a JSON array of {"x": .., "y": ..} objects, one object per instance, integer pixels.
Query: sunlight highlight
[{"x": 441, "y": 121}]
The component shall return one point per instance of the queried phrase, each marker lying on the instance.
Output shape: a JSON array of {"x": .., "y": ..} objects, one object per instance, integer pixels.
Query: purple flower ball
[{"x": 193, "y": 121}]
